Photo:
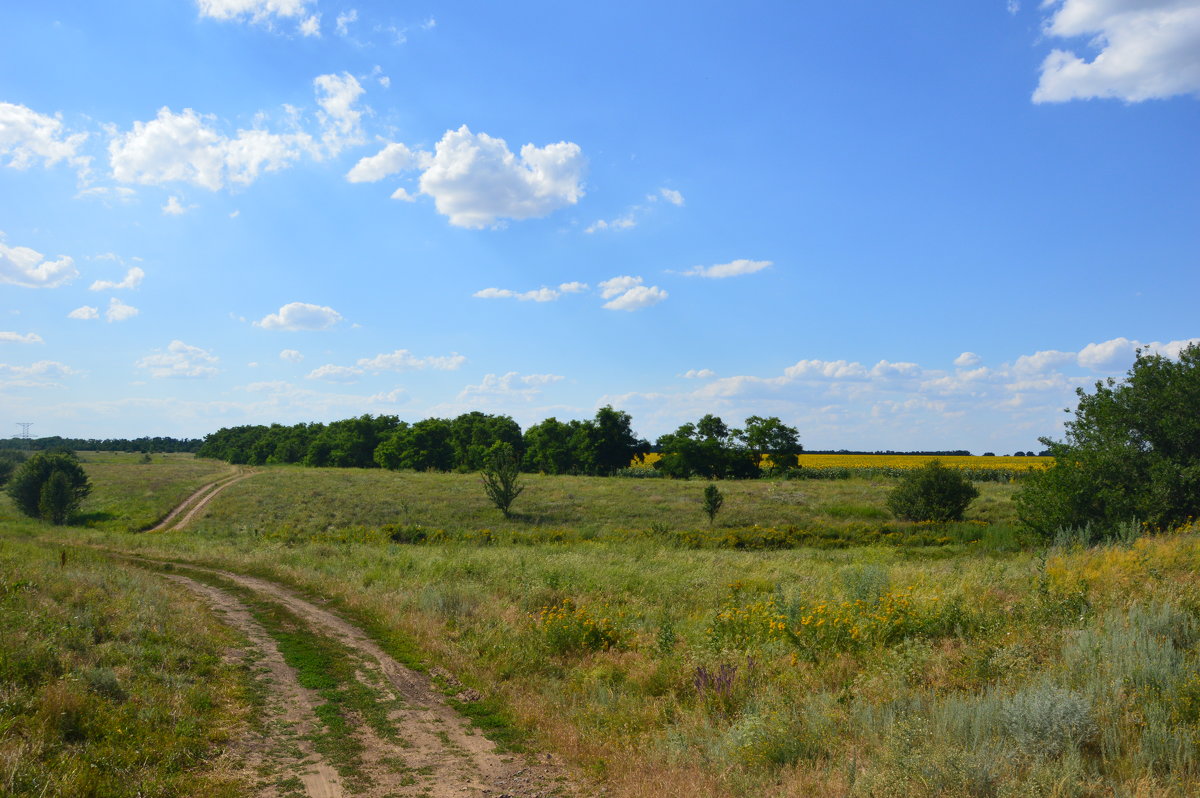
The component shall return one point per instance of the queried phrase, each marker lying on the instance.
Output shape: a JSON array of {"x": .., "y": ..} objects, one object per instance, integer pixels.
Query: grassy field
[
  {"x": 957, "y": 661},
  {"x": 112, "y": 684},
  {"x": 131, "y": 494}
]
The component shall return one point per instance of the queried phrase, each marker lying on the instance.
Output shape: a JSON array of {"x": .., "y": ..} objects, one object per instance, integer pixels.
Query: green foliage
[
  {"x": 39, "y": 493},
  {"x": 57, "y": 501},
  {"x": 425, "y": 446},
  {"x": 570, "y": 628},
  {"x": 932, "y": 492},
  {"x": 1131, "y": 452},
  {"x": 773, "y": 438},
  {"x": 474, "y": 434},
  {"x": 501, "y": 475},
  {"x": 707, "y": 449},
  {"x": 712, "y": 502},
  {"x": 9, "y": 460}
]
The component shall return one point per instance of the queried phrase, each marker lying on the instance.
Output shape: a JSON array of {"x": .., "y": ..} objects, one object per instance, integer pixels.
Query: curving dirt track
[
  {"x": 193, "y": 504},
  {"x": 439, "y": 754}
]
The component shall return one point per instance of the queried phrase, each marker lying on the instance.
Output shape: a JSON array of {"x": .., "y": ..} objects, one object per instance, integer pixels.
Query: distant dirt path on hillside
[
  {"x": 193, "y": 504},
  {"x": 439, "y": 753}
]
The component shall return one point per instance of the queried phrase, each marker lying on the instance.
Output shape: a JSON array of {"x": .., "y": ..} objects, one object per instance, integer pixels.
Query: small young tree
[
  {"x": 712, "y": 502},
  {"x": 932, "y": 492},
  {"x": 501, "y": 473}
]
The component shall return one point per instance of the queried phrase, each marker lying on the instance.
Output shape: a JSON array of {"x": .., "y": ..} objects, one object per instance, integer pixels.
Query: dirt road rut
[{"x": 435, "y": 753}]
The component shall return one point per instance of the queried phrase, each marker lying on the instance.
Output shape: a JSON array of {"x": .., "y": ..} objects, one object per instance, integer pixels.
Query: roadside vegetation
[
  {"x": 804, "y": 641},
  {"x": 113, "y": 683}
]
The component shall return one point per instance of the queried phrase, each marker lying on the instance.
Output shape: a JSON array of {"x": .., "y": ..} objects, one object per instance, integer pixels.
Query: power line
[{"x": 24, "y": 425}]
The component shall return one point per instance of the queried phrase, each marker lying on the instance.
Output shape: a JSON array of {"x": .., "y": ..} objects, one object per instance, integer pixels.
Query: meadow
[{"x": 848, "y": 654}]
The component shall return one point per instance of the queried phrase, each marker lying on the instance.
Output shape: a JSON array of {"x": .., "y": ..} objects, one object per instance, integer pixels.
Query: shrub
[
  {"x": 932, "y": 492},
  {"x": 50, "y": 486},
  {"x": 1048, "y": 720}
]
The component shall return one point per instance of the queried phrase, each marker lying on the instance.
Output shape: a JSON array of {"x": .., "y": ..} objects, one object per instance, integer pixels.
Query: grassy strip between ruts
[
  {"x": 488, "y": 714},
  {"x": 326, "y": 666}
]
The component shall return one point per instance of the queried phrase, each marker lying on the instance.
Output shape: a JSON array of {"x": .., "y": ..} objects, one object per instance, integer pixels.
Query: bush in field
[
  {"x": 712, "y": 502},
  {"x": 1132, "y": 452},
  {"x": 500, "y": 474},
  {"x": 932, "y": 492},
  {"x": 50, "y": 486}
]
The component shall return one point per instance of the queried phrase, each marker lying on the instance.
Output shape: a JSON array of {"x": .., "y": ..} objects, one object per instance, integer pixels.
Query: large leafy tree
[
  {"x": 772, "y": 437},
  {"x": 50, "y": 486},
  {"x": 707, "y": 448},
  {"x": 1132, "y": 452},
  {"x": 614, "y": 444}
]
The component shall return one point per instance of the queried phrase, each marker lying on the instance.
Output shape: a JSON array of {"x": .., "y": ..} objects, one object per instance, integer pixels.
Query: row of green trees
[
  {"x": 600, "y": 445},
  {"x": 143, "y": 444}
]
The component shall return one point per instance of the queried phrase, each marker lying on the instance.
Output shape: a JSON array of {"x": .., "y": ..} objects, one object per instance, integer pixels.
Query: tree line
[
  {"x": 599, "y": 446},
  {"x": 144, "y": 444}
]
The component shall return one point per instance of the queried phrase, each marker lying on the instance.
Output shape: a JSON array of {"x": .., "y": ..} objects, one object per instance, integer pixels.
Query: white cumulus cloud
[
  {"x": 185, "y": 148},
  {"x": 264, "y": 12},
  {"x": 18, "y": 338},
  {"x": 629, "y": 220},
  {"x": 38, "y": 375},
  {"x": 333, "y": 373},
  {"x": 731, "y": 269},
  {"x": 84, "y": 313},
  {"x": 291, "y": 356},
  {"x": 341, "y": 120},
  {"x": 392, "y": 159},
  {"x": 967, "y": 360},
  {"x": 627, "y": 293},
  {"x": 476, "y": 181},
  {"x": 542, "y": 294},
  {"x": 402, "y": 359},
  {"x": 671, "y": 195},
  {"x": 699, "y": 374},
  {"x": 300, "y": 316},
  {"x": 133, "y": 278},
  {"x": 618, "y": 285},
  {"x": 174, "y": 207},
  {"x": 119, "y": 311},
  {"x": 179, "y": 360},
  {"x": 642, "y": 296},
  {"x": 1147, "y": 49},
  {"x": 511, "y": 385},
  {"x": 27, "y": 137},
  {"x": 29, "y": 268}
]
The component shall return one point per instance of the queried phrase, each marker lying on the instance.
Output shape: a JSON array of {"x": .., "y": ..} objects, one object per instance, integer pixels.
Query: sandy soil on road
[{"x": 441, "y": 755}]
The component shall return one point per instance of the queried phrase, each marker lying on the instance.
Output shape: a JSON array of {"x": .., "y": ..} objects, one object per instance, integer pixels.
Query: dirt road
[
  {"x": 192, "y": 505},
  {"x": 434, "y": 751}
]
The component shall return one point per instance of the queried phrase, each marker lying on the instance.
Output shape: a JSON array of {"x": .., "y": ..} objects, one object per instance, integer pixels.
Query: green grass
[
  {"x": 113, "y": 683},
  {"x": 299, "y": 501},
  {"x": 129, "y": 495},
  {"x": 940, "y": 668}
]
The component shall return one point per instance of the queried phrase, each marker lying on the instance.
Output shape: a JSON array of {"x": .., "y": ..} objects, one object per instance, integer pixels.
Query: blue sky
[{"x": 895, "y": 226}]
